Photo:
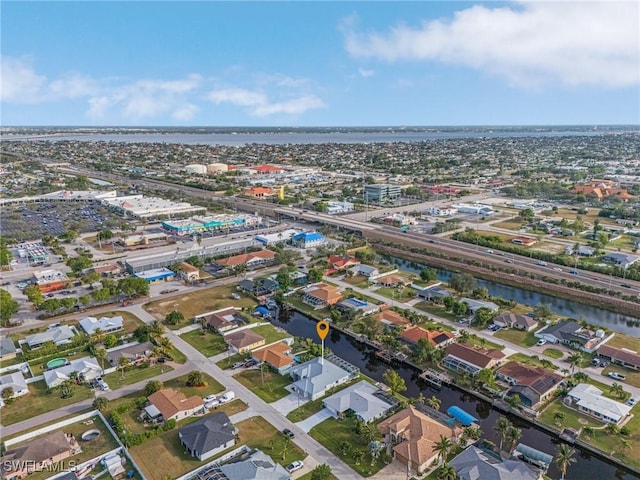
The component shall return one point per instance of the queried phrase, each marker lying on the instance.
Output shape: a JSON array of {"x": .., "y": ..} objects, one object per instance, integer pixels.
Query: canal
[
  {"x": 586, "y": 466},
  {"x": 595, "y": 316}
]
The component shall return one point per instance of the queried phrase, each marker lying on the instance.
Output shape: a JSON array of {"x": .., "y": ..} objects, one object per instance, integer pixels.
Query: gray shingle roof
[
  {"x": 476, "y": 464},
  {"x": 208, "y": 433}
]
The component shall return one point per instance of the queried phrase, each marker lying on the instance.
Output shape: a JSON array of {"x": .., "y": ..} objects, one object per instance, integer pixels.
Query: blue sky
[{"x": 320, "y": 63}]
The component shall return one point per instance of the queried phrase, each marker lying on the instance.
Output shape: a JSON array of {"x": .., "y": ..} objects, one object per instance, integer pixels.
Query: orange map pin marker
[{"x": 322, "y": 327}]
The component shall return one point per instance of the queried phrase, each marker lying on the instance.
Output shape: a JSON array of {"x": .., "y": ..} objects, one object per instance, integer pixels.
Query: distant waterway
[
  {"x": 346, "y": 136},
  {"x": 596, "y": 316},
  {"x": 586, "y": 466}
]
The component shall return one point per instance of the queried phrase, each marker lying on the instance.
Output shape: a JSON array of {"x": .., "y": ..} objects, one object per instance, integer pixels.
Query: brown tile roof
[
  {"x": 246, "y": 257},
  {"x": 434, "y": 337},
  {"x": 338, "y": 261},
  {"x": 391, "y": 317},
  {"x": 632, "y": 358},
  {"x": 170, "y": 401},
  {"x": 274, "y": 355},
  {"x": 392, "y": 280},
  {"x": 40, "y": 449},
  {"x": 420, "y": 431},
  {"x": 538, "y": 378},
  {"x": 326, "y": 293},
  {"x": 187, "y": 267},
  {"x": 243, "y": 338},
  {"x": 475, "y": 356}
]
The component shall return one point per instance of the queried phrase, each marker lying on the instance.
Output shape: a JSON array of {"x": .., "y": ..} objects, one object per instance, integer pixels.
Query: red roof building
[{"x": 267, "y": 169}]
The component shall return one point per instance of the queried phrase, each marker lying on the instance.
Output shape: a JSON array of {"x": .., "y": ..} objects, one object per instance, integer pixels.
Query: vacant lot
[
  {"x": 526, "y": 339},
  {"x": 621, "y": 340},
  {"x": 207, "y": 343},
  {"x": 268, "y": 385},
  {"x": 116, "y": 379},
  {"x": 258, "y": 433},
  {"x": 198, "y": 302},
  {"x": 270, "y": 333}
]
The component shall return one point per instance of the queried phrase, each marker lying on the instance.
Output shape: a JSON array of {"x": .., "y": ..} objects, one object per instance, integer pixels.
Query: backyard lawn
[
  {"x": 269, "y": 386},
  {"x": 180, "y": 383},
  {"x": 519, "y": 337},
  {"x": 38, "y": 401},
  {"x": 437, "y": 310},
  {"x": 115, "y": 380},
  {"x": 397, "y": 294},
  {"x": 200, "y": 301},
  {"x": 331, "y": 433},
  {"x": 209, "y": 344},
  {"x": 270, "y": 333}
]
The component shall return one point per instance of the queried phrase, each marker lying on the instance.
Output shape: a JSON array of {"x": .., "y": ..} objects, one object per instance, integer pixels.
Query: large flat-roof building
[
  {"x": 382, "y": 192},
  {"x": 144, "y": 207},
  {"x": 211, "y": 223}
]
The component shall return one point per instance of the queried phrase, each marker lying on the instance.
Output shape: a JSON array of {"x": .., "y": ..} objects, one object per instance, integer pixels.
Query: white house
[
  {"x": 362, "y": 399},
  {"x": 313, "y": 378},
  {"x": 15, "y": 381},
  {"x": 104, "y": 324},
  {"x": 588, "y": 399},
  {"x": 61, "y": 335},
  {"x": 86, "y": 368}
]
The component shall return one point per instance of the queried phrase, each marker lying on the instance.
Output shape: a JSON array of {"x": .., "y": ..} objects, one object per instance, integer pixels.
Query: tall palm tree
[
  {"x": 442, "y": 447},
  {"x": 588, "y": 432},
  {"x": 97, "y": 335},
  {"x": 558, "y": 418},
  {"x": 513, "y": 435},
  {"x": 617, "y": 390},
  {"x": 564, "y": 458},
  {"x": 434, "y": 402},
  {"x": 446, "y": 472},
  {"x": 101, "y": 354},
  {"x": 575, "y": 359},
  {"x": 502, "y": 427}
]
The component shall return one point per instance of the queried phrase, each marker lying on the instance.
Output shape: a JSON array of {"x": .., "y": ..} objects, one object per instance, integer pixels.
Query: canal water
[
  {"x": 363, "y": 357},
  {"x": 596, "y": 316}
]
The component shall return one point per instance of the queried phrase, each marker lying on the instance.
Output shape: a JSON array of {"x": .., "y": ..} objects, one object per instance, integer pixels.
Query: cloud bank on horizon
[{"x": 527, "y": 50}]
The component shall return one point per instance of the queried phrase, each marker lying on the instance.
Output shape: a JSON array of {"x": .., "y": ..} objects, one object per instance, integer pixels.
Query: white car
[
  {"x": 541, "y": 342},
  {"x": 227, "y": 397},
  {"x": 293, "y": 466},
  {"x": 209, "y": 398},
  {"x": 616, "y": 376},
  {"x": 212, "y": 403}
]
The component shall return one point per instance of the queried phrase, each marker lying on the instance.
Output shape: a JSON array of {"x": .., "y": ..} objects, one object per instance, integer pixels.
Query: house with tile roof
[
  {"x": 243, "y": 341},
  {"x": 277, "y": 356},
  {"x": 515, "y": 320},
  {"x": 208, "y": 436},
  {"x": 464, "y": 358},
  {"x": 532, "y": 384},
  {"x": 321, "y": 295},
  {"x": 175, "y": 405},
  {"x": 391, "y": 318},
  {"x": 251, "y": 259},
  {"x": 411, "y": 435},
  {"x": 435, "y": 338},
  {"x": 260, "y": 192},
  {"x": 222, "y": 320}
]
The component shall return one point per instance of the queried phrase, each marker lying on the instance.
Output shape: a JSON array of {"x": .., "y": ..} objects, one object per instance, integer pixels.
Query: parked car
[
  {"x": 209, "y": 398},
  {"x": 542, "y": 264},
  {"x": 293, "y": 466},
  {"x": 631, "y": 402},
  {"x": 288, "y": 433},
  {"x": 541, "y": 342},
  {"x": 211, "y": 404},
  {"x": 162, "y": 359},
  {"x": 227, "y": 397},
  {"x": 616, "y": 376},
  {"x": 235, "y": 296}
]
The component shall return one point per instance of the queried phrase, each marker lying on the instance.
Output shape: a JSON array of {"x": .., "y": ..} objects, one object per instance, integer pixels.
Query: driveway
[
  {"x": 288, "y": 403},
  {"x": 313, "y": 420}
]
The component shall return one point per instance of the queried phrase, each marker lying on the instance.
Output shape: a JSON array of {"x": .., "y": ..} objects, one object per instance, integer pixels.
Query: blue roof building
[
  {"x": 308, "y": 239},
  {"x": 155, "y": 275}
]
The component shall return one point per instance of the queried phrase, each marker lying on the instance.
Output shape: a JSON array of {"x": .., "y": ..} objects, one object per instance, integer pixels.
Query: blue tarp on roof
[
  {"x": 463, "y": 417},
  {"x": 262, "y": 310}
]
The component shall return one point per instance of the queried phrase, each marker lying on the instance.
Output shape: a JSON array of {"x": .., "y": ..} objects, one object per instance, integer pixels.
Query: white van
[{"x": 227, "y": 397}]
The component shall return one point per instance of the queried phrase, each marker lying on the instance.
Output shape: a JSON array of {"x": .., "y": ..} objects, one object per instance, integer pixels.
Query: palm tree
[
  {"x": 472, "y": 433},
  {"x": 564, "y": 458},
  {"x": 588, "y": 432},
  {"x": 446, "y": 472},
  {"x": 122, "y": 363},
  {"x": 101, "y": 354},
  {"x": 97, "y": 335},
  {"x": 434, "y": 402},
  {"x": 345, "y": 447},
  {"x": 442, "y": 447},
  {"x": 575, "y": 359},
  {"x": 612, "y": 428},
  {"x": 502, "y": 427},
  {"x": 513, "y": 435},
  {"x": 558, "y": 418},
  {"x": 617, "y": 390}
]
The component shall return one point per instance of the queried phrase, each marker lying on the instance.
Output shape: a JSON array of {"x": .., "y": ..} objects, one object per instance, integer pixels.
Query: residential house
[
  {"x": 464, "y": 358},
  {"x": 104, "y": 324},
  {"x": 364, "y": 400},
  {"x": 61, "y": 335},
  {"x": 433, "y": 294},
  {"x": 391, "y": 318},
  {"x": 475, "y": 463},
  {"x": 251, "y": 259},
  {"x": 364, "y": 270},
  {"x": 435, "y": 338},
  {"x": 172, "y": 404},
  {"x": 589, "y": 400},
  {"x": 86, "y": 369},
  {"x": 277, "y": 356},
  {"x": 108, "y": 270},
  {"x": 569, "y": 332},
  {"x": 222, "y": 320},
  {"x": 620, "y": 356},
  {"x": 7, "y": 348},
  {"x": 583, "y": 250},
  {"x": 532, "y": 384},
  {"x": 358, "y": 306},
  {"x": 16, "y": 382},
  {"x": 313, "y": 378},
  {"x": 515, "y": 320},
  {"x": 188, "y": 272},
  {"x": 475, "y": 305},
  {"x": 135, "y": 354},
  {"x": 257, "y": 467},
  {"x": 339, "y": 262},
  {"x": 412, "y": 435},
  {"x": 622, "y": 260},
  {"x": 308, "y": 240},
  {"x": 208, "y": 436},
  {"x": 258, "y": 287},
  {"x": 526, "y": 241},
  {"x": 244, "y": 341},
  {"x": 321, "y": 295},
  {"x": 391, "y": 281},
  {"x": 37, "y": 454}
]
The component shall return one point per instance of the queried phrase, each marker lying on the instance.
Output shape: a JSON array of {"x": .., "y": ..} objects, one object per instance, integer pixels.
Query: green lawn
[
  {"x": 7, "y": 362},
  {"x": 270, "y": 333},
  {"x": 621, "y": 340},
  {"x": 209, "y": 344},
  {"x": 227, "y": 362},
  {"x": 177, "y": 356},
  {"x": 269, "y": 385},
  {"x": 38, "y": 401},
  {"x": 633, "y": 376},
  {"x": 572, "y": 418},
  {"x": 519, "y": 337},
  {"x": 481, "y": 342},
  {"x": 553, "y": 353},
  {"x": 332, "y": 432},
  {"x": 180, "y": 383},
  {"x": 307, "y": 476},
  {"x": 397, "y": 294},
  {"x": 256, "y": 432},
  {"x": 437, "y": 310},
  {"x": 526, "y": 360},
  {"x": 134, "y": 375}
]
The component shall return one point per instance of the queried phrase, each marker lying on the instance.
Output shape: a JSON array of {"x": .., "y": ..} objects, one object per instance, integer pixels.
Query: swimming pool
[{"x": 56, "y": 362}]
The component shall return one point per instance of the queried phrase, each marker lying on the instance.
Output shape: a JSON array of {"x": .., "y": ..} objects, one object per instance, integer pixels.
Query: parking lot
[{"x": 31, "y": 221}]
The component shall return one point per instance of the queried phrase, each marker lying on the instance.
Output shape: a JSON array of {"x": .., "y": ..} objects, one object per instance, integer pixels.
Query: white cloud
[
  {"x": 365, "y": 72},
  {"x": 530, "y": 44},
  {"x": 19, "y": 83},
  {"x": 259, "y": 105}
]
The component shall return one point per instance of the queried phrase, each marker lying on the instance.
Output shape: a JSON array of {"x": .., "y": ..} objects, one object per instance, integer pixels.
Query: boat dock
[
  {"x": 435, "y": 378},
  {"x": 391, "y": 357}
]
